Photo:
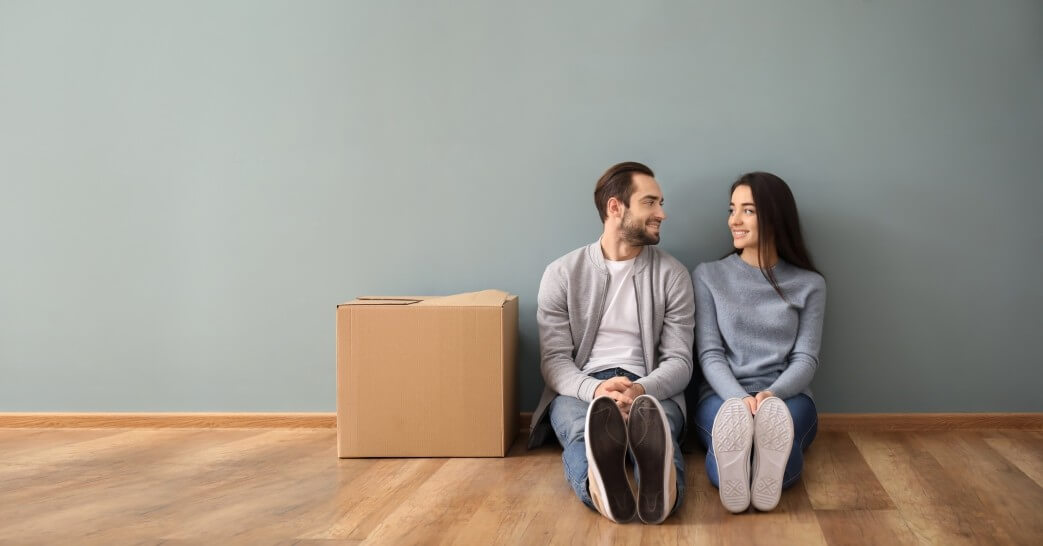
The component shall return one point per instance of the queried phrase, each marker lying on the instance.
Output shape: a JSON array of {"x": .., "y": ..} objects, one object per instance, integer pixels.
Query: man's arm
[
  {"x": 559, "y": 370},
  {"x": 675, "y": 342}
]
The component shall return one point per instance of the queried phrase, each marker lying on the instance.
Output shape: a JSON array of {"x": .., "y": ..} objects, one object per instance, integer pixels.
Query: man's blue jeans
[
  {"x": 805, "y": 426},
  {"x": 568, "y": 418}
]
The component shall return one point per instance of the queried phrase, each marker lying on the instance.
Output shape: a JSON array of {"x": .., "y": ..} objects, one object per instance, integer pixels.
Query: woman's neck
[{"x": 751, "y": 255}]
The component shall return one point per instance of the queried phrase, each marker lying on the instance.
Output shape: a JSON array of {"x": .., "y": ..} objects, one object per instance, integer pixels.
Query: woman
[{"x": 758, "y": 327}]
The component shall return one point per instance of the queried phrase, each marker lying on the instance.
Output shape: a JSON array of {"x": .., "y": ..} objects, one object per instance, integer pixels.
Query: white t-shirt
[{"x": 618, "y": 343}]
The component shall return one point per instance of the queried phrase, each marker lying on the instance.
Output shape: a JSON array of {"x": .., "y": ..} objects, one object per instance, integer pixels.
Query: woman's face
[{"x": 742, "y": 218}]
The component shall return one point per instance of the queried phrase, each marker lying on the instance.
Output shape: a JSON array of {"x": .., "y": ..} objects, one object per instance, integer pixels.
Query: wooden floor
[{"x": 250, "y": 486}]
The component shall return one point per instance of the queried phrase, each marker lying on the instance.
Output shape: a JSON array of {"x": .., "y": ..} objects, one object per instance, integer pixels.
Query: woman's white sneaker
[
  {"x": 732, "y": 440},
  {"x": 773, "y": 440}
]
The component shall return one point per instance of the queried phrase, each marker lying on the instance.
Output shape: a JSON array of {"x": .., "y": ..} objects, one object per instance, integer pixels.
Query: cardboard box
[{"x": 427, "y": 376}]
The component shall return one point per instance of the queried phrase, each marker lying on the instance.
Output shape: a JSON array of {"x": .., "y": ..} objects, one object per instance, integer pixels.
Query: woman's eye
[{"x": 748, "y": 211}]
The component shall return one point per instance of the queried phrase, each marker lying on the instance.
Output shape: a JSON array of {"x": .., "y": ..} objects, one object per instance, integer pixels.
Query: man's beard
[{"x": 635, "y": 234}]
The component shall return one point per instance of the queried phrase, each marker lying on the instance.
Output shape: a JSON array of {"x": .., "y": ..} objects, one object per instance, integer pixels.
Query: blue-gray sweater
[
  {"x": 569, "y": 308},
  {"x": 747, "y": 338}
]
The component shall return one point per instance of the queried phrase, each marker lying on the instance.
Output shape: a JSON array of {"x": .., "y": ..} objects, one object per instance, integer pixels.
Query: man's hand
[
  {"x": 761, "y": 396},
  {"x": 635, "y": 390},
  {"x": 617, "y": 388}
]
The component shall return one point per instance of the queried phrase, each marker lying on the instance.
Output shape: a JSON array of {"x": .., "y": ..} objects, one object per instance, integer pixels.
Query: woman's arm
[
  {"x": 708, "y": 342},
  {"x": 803, "y": 359}
]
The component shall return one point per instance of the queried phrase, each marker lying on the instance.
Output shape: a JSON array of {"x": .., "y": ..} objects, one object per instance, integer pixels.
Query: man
[{"x": 616, "y": 322}]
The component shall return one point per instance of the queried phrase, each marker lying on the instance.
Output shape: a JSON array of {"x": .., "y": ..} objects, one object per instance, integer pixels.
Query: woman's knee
[
  {"x": 805, "y": 420},
  {"x": 705, "y": 413},
  {"x": 794, "y": 467},
  {"x": 803, "y": 441},
  {"x": 711, "y": 468}
]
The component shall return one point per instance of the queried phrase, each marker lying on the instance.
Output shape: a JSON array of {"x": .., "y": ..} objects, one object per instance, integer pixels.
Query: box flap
[
  {"x": 484, "y": 298},
  {"x": 387, "y": 300}
]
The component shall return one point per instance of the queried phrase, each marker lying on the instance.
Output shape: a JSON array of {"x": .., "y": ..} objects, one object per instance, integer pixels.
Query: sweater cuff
[
  {"x": 651, "y": 387},
  {"x": 736, "y": 392},
  {"x": 654, "y": 387},
  {"x": 780, "y": 392},
  {"x": 586, "y": 389}
]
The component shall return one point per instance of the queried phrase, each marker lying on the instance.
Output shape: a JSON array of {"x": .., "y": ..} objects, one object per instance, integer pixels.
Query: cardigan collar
[{"x": 597, "y": 257}]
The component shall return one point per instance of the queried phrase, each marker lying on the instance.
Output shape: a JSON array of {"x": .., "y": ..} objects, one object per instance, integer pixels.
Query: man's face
[{"x": 641, "y": 220}]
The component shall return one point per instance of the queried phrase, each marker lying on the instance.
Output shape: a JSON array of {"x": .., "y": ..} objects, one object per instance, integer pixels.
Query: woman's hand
[
  {"x": 751, "y": 403},
  {"x": 761, "y": 396}
]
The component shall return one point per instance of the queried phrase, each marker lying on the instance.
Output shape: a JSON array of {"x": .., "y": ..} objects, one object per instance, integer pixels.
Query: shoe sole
[
  {"x": 653, "y": 448},
  {"x": 732, "y": 442},
  {"x": 606, "y": 436},
  {"x": 773, "y": 441}
]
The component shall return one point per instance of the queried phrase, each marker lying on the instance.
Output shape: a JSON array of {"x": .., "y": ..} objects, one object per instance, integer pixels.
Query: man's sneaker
[
  {"x": 606, "y": 455},
  {"x": 732, "y": 440},
  {"x": 772, "y": 440},
  {"x": 653, "y": 448}
]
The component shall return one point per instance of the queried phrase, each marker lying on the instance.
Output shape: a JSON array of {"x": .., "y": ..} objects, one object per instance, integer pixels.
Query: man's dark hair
[{"x": 617, "y": 182}]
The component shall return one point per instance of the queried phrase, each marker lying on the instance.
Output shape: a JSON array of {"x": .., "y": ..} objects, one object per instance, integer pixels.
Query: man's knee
[
  {"x": 568, "y": 418},
  {"x": 674, "y": 417},
  {"x": 575, "y": 431}
]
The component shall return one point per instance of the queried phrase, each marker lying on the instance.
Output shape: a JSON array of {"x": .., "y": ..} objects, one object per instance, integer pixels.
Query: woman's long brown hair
[{"x": 777, "y": 222}]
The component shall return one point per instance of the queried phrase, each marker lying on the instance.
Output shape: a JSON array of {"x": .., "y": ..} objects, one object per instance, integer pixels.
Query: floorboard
[{"x": 287, "y": 486}]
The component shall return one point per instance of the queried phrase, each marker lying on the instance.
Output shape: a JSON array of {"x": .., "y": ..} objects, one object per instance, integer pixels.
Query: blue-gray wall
[{"x": 188, "y": 188}]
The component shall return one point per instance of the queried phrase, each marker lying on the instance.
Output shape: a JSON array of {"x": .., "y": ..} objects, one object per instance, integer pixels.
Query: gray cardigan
[{"x": 569, "y": 307}]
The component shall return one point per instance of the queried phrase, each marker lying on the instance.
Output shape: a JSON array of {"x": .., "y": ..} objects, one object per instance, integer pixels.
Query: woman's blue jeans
[{"x": 805, "y": 426}]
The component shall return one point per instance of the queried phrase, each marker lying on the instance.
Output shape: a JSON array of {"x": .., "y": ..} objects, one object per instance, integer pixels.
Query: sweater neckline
[{"x": 777, "y": 268}]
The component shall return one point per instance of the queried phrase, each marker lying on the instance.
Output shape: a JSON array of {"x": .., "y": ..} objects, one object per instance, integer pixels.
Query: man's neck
[{"x": 614, "y": 248}]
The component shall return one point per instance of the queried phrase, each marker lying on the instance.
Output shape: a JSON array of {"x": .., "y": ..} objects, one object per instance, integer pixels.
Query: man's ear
[{"x": 615, "y": 207}]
